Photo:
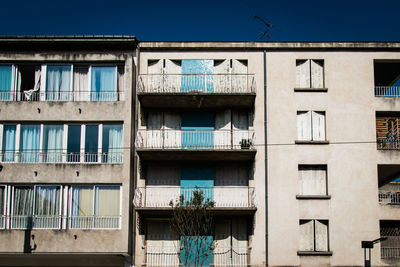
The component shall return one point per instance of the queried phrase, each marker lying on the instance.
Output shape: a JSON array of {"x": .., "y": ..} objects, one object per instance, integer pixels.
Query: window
[
  {"x": 311, "y": 125},
  {"x": 112, "y": 143},
  {"x": 36, "y": 207},
  {"x": 74, "y": 143},
  {"x": 29, "y": 143},
  {"x": 91, "y": 143},
  {"x": 309, "y": 73},
  {"x": 52, "y": 143},
  {"x": 312, "y": 180},
  {"x": 5, "y": 82},
  {"x": 58, "y": 82},
  {"x": 8, "y": 143},
  {"x": 103, "y": 83},
  {"x": 314, "y": 235},
  {"x": 95, "y": 207}
]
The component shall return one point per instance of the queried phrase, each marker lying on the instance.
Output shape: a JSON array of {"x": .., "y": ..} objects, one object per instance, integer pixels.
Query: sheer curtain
[
  {"x": 5, "y": 82},
  {"x": 2, "y": 213},
  {"x": 107, "y": 206},
  {"x": 8, "y": 143},
  {"x": 103, "y": 84},
  {"x": 81, "y": 83},
  {"x": 29, "y": 143},
  {"x": 58, "y": 82},
  {"x": 52, "y": 143},
  {"x": 82, "y": 207},
  {"x": 47, "y": 207},
  {"x": 112, "y": 143},
  {"x": 22, "y": 207}
]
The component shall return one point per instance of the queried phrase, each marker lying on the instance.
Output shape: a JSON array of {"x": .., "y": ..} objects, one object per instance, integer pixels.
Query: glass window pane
[
  {"x": 22, "y": 207},
  {"x": 103, "y": 83},
  {"x": 29, "y": 143},
  {"x": 47, "y": 207},
  {"x": 82, "y": 201},
  {"x": 112, "y": 143},
  {"x": 52, "y": 143},
  {"x": 107, "y": 206},
  {"x": 58, "y": 82},
  {"x": 8, "y": 143},
  {"x": 74, "y": 143},
  {"x": 5, "y": 82},
  {"x": 91, "y": 143}
]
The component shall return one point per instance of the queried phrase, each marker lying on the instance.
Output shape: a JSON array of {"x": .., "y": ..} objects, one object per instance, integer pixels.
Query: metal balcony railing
[
  {"x": 168, "y": 256},
  {"x": 223, "y": 196},
  {"x": 388, "y": 144},
  {"x": 197, "y": 83},
  {"x": 64, "y": 96},
  {"x": 389, "y": 198},
  {"x": 387, "y": 91},
  {"x": 390, "y": 253},
  {"x": 35, "y": 222},
  {"x": 195, "y": 139},
  {"x": 56, "y": 156},
  {"x": 94, "y": 222}
]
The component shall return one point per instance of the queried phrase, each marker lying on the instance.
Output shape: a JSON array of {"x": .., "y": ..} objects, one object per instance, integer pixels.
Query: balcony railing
[
  {"x": 390, "y": 253},
  {"x": 222, "y": 256},
  {"x": 60, "y": 157},
  {"x": 195, "y": 139},
  {"x": 389, "y": 198},
  {"x": 223, "y": 196},
  {"x": 388, "y": 144},
  {"x": 65, "y": 96},
  {"x": 197, "y": 83},
  {"x": 94, "y": 222},
  {"x": 35, "y": 222},
  {"x": 387, "y": 91}
]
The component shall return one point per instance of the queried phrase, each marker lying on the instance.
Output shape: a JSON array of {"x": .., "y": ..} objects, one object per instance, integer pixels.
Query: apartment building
[{"x": 66, "y": 138}]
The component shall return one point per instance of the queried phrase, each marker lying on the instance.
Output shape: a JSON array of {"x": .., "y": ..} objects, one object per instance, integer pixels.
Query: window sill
[
  {"x": 313, "y": 196},
  {"x": 317, "y": 90},
  {"x": 311, "y": 142},
  {"x": 314, "y": 253}
]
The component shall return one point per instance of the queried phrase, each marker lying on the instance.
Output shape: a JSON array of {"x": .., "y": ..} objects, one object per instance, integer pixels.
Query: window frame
[
  {"x": 310, "y": 86},
  {"x": 298, "y": 140},
  {"x": 324, "y": 221},
  {"x": 314, "y": 196}
]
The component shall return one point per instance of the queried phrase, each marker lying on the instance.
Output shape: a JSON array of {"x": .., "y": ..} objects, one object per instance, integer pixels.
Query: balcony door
[
  {"x": 198, "y": 130},
  {"x": 197, "y": 75}
]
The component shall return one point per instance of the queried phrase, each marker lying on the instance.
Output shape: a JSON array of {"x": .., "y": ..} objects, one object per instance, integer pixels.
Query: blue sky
[{"x": 217, "y": 20}]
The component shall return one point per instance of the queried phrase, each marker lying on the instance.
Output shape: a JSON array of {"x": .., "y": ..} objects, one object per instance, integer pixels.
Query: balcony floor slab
[{"x": 197, "y": 154}]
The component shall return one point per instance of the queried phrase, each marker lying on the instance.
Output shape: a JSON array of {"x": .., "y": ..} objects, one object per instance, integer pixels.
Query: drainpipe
[
  {"x": 266, "y": 157},
  {"x": 135, "y": 158}
]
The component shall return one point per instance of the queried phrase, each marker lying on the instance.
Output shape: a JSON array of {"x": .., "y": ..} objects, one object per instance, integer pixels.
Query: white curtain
[
  {"x": 240, "y": 84},
  {"x": 47, "y": 207},
  {"x": 8, "y": 143},
  {"x": 112, "y": 146},
  {"x": 81, "y": 83},
  {"x": 33, "y": 94},
  {"x": 222, "y": 133},
  {"x": 303, "y": 73},
  {"x": 312, "y": 180},
  {"x": 52, "y": 143},
  {"x": 58, "y": 82},
  {"x": 240, "y": 122},
  {"x": 304, "y": 125},
  {"x": 321, "y": 235},
  {"x": 306, "y": 238},
  {"x": 222, "y": 77},
  {"x": 172, "y": 130},
  {"x": 154, "y": 81},
  {"x": 29, "y": 143},
  {"x": 317, "y": 73},
  {"x": 2, "y": 211},
  {"x": 172, "y": 77},
  {"x": 22, "y": 207},
  {"x": 154, "y": 135},
  {"x": 318, "y": 126}
]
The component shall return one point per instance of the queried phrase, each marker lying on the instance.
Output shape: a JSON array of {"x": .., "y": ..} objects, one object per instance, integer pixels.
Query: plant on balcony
[{"x": 192, "y": 220}]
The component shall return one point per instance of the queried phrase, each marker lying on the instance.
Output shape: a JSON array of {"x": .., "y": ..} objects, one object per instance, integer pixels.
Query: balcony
[
  {"x": 197, "y": 90},
  {"x": 196, "y": 144},
  {"x": 387, "y": 91},
  {"x": 388, "y": 143},
  {"x": 64, "y": 96},
  {"x": 389, "y": 198},
  {"x": 222, "y": 256},
  {"x": 59, "y": 156},
  {"x": 226, "y": 198}
]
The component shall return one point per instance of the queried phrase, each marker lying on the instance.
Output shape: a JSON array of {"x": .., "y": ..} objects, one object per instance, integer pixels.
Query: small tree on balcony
[{"x": 192, "y": 220}]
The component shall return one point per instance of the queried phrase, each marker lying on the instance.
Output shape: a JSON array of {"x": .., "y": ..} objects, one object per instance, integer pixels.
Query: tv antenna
[{"x": 267, "y": 31}]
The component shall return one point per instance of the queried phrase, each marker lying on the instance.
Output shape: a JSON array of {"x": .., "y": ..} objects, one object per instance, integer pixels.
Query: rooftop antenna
[{"x": 269, "y": 26}]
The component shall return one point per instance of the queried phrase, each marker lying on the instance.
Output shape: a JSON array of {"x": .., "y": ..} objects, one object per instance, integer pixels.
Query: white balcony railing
[
  {"x": 94, "y": 222},
  {"x": 168, "y": 256},
  {"x": 65, "y": 96},
  {"x": 388, "y": 144},
  {"x": 60, "y": 157},
  {"x": 223, "y": 196},
  {"x": 195, "y": 139},
  {"x": 197, "y": 83},
  {"x": 387, "y": 91},
  {"x": 390, "y": 253},
  {"x": 35, "y": 222},
  {"x": 389, "y": 198}
]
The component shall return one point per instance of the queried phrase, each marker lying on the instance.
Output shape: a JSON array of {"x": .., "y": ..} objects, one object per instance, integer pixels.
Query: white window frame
[
  {"x": 5, "y": 206},
  {"x": 33, "y": 186},
  {"x": 315, "y": 234},
  {"x": 94, "y": 186},
  {"x": 311, "y": 125}
]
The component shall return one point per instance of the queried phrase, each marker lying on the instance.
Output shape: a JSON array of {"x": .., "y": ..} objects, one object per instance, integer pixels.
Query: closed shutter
[
  {"x": 317, "y": 73},
  {"x": 318, "y": 126},
  {"x": 304, "y": 125},
  {"x": 303, "y": 73}
]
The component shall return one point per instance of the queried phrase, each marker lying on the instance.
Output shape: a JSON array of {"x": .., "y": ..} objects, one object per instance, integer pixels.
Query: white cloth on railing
[{"x": 29, "y": 93}]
